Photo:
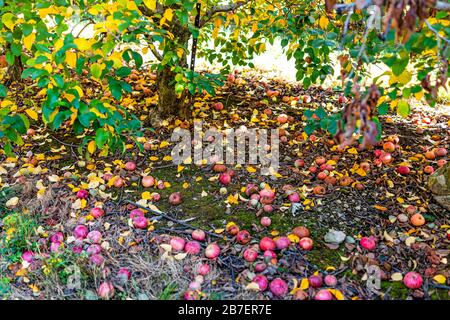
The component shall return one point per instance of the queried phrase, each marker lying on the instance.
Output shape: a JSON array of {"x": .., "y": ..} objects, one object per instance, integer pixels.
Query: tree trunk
[
  {"x": 169, "y": 104},
  {"x": 14, "y": 72}
]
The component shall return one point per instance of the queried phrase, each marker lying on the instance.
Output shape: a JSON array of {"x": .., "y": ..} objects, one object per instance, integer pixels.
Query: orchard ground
[{"x": 358, "y": 194}]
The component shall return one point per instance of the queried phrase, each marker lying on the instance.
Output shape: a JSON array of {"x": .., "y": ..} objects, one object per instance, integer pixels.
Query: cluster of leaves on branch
[
  {"x": 409, "y": 39},
  {"x": 37, "y": 38}
]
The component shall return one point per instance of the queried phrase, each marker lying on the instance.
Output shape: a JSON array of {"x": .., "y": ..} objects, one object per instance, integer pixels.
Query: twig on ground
[{"x": 167, "y": 217}]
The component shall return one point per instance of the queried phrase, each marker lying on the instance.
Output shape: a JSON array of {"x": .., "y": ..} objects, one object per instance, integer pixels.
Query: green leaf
[
  {"x": 310, "y": 128},
  {"x": 116, "y": 89},
  {"x": 383, "y": 109},
  {"x": 16, "y": 49},
  {"x": 101, "y": 137},
  {"x": 96, "y": 70},
  {"x": 137, "y": 59},
  {"x": 59, "y": 80},
  {"x": 3, "y": 91},
  {"x": 123, "y": 72},
  {"x": 441, "y": 15},
  {"x": 321, "y": 113},
  {"x": 400, "y": 66},
  {"x": 403, "y": 109}
]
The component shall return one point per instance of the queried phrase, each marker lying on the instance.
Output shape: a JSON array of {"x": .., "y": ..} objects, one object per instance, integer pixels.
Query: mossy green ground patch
[{"x": 210, "y": 210}]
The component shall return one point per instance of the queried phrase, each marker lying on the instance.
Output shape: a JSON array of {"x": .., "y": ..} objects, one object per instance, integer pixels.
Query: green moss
[
  {"x": 439, "y": 294},
  {"x": 210, "y": 211},
  {"x": 206, "y": 209},
  {"x": 324, "y": 257},
  {"x": 396, "y": 290}
]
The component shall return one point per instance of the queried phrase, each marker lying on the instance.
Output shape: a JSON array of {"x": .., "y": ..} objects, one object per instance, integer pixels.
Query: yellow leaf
[
  {"x": 32, "y": 114},
  {"x": 185, "y": 185},
  {"x": 71, "y": 59},
  {"x": 167, "y": 158},
  {"x": 337, "y": 294},
  {"x": 233, "y": 199},
  {"x": 82, "y": 44},
  {"x": 34, "y": 288},
  {"x": 7, "y": 20},
  {"x": 218, "y": 23},
  {"x": 251, "y": 169},
  {"x": 440, "y": 279},
  {"x": 254, "y": 27},
  {"x": 294, "y": 238},
  {"x": 91, "y": 147},
  {"x": 304, "y": 284},
  {"x": 21, "y": 272},
  {"x": 295, "y": 289},
  {"x": 352, "y": 151},
  {"x": 29, "y": 40},
  {"x": 361, "y": 172},
  {"x": 153, "y": 158},
  {"x": 146, "y": 195},
  {"x": 163, "y": 144},
  {"x": 180, "y": 168},
  {"x": 230, "y": 224},
  {"x": 381, "y": 208},
  {"x": 151, "y": 4},
  {"x": 418, "y": 95},
  {"x": 331, "y": 162},
  {"x": 405, "y": 77},
  {"x": 168, "y": 15},
  {"x": 323, "y": 22},
  {"x": 180, "y": 53}
]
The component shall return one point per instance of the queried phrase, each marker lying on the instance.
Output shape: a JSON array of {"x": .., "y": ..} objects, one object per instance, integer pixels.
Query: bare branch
[
  {"x": 442, "y": 6},
  {"x": 438, "y": 36},
  {"x": 347, "y": 22},
  {"x": 156, "y": 52},
  {"x": 222, "y": 8},
  {"x": 345, "y": 7}
]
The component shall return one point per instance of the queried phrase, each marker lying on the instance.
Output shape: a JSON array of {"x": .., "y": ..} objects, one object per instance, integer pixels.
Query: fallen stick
[{"x": 165, "y": 216}]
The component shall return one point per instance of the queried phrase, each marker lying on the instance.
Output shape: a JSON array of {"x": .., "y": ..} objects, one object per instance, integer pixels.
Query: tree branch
[
  {"x": 156, "y": 52},
  {"x": 442, "y": 6},
  {"x": 438, "y": 36},
  {"x": 345, "y": 7},
  {"x": 149, "y": 13},
  {"x": 222, "y": 8}
]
